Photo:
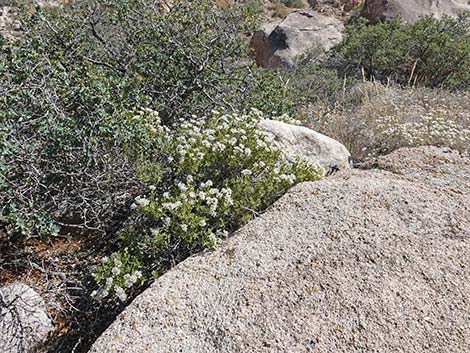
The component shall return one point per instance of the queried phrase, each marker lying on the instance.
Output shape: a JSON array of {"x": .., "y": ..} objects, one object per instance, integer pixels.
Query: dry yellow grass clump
[{"x": 385, "y": 118}]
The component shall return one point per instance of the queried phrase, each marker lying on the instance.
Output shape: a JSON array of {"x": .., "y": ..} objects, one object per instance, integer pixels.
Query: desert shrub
[
  {"x": 318, "y": 86},
  {"x": 385, "y": 118},
  {"x": 67, "y": 143},
  {"x": 282, "y": 8},
  {"x": 430, "y": 52},
  {"x": 293, "y": 3},
  {"x": 325, "y": 5},
  {"x": 210, "y": 176}
]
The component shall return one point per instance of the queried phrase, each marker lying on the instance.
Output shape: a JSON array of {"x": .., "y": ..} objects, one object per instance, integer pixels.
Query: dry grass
[
  {"x": 373, "y": 119},
  {"x": 281, "y": 8}
]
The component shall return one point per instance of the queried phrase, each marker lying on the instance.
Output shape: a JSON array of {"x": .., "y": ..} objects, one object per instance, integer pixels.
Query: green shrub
[
  {"x": 317, "y": 84},
  {"x": 67, "y": 144},
  {"x": 209, "y": 177},
  {"x": 430, "y": 52}
]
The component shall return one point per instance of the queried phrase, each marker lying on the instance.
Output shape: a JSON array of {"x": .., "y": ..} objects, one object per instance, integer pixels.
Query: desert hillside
[{"x": 234, "y": 176}]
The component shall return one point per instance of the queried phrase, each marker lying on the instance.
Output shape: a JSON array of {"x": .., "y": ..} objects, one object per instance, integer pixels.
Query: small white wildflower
[
  {"x": 120, "y": 293},
  {"x": 152, "y": 188},
  {"x": 142, "y": 201},
  {"x": 246, "y": 172},
  {"x": 219, "y": 146},
  {"x": 115, "y": 271},
  {"x": 213, "y": 238},
  {"x": 130, "y": 280},
  {"x": 117, "y": 261},
  {"x": 182, "y": 186},
  {"x": 184, "y": 227},
  {"x": 104, "y": 260},
  {"x": 202, "y": 223}
]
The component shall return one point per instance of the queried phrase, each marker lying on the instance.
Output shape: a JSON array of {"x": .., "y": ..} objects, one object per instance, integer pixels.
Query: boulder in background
[
  {"x": 280, "y": 44},
  {"x": 411, "y": 10}
]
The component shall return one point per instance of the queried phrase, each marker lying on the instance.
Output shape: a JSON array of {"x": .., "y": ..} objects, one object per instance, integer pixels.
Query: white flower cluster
[
  {"x": 286, "y": 118},
  {"x": 220, "y": 170},
  {"x": 110, "y": 285},
  {"x": 140, "y": 201},
  {"x": 231, "y": 132},
  {"x": 152, "y": 120},
  {"x": 203, "y": 194},
  {"x": 428, "y": 130}
]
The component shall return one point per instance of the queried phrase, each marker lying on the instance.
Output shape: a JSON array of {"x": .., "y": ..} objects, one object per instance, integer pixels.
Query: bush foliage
[
  {"x": 66, "y": 141},
  {"x": 430, "y": 52},
  {"x": 208, "y": 177}
]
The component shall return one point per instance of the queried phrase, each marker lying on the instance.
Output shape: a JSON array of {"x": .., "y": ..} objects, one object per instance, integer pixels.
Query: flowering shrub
[
  {"x": 210, "y": 176},
  {"x": 62, "y": 127},
  {"x": 375, "y": 119},
  {"x": 431, "y": 129}
]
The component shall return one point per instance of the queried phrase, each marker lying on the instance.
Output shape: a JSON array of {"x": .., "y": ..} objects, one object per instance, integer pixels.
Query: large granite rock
[
  {"x": 411, "y": 10},
  {"x": 24, "y": 322},
  {"x": 299, "y": 141},
  {"x": 279, "y": 44},
  {"x": 364, "y": 261}
]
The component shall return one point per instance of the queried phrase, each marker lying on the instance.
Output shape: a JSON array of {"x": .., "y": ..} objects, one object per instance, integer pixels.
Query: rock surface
[
  {"x": 366, "y": 260},
  {"x": 24, "y": 322},
  {"x": 411, "y": 10},
  {"x": 9, "y": 26},
  {"x": 441, "y": 167},
  {"x": 299, "y": 141},
  {"x": 279, "y": 44}
]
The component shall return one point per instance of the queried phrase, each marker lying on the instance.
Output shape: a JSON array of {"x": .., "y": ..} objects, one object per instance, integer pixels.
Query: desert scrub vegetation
[
  {"x": 372, "y": 119},
  {"x": 67, "y": 143},
  {"x": 431, "y": 52},
  {"x": 207, "y": 177},
  {"x": 97, "y": 100},
  {"x": 281, "y": 8},
  {"x": 82, "y": 147}
]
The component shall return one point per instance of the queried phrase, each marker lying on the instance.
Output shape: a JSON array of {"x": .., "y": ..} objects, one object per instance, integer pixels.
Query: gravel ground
[{"x": 364, "y": 261}]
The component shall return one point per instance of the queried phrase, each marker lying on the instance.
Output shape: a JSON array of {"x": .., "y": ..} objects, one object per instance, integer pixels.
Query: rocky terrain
[
  {"x": 411, "y": 11},
  {"x": 280, "y": 42},
  {"x": 170, "y": 185},
  {"x": 366, "y": 260}
]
